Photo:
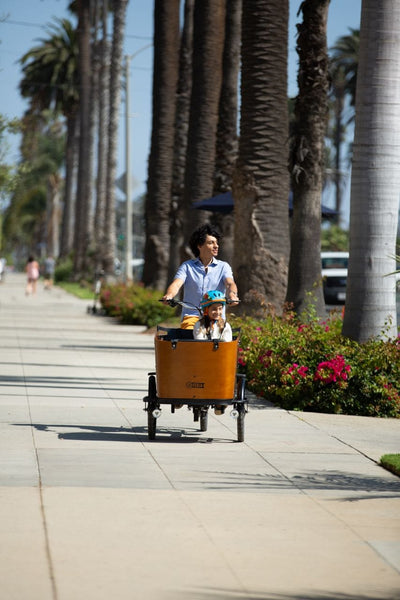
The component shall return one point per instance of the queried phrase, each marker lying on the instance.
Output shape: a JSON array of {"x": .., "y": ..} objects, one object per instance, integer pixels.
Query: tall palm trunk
[
  {"x": 261, "y": 180},
  {"x": 71, "y": 148},
  {"x": 208, "y": 43},
  {"x": 83, "y": 187},
  {"x": 371, "y": 301},
  {"x": 159, "y": 184},
  {"x": 181, "y": 135},
  {"x": 339, "y": 90},
  {"x": 95, "y": 59},
  {"x": 102, "y": 139},
  {"x": 53, "y": 215},
  {"x": 227, "y": 135},
  {"x": 307, "y": 158},
  {"x": 115, "y": 97}
]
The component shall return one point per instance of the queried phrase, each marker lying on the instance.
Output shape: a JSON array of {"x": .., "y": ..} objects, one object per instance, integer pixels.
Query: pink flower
[
  {"x": 294, "y": 374},
  {"x": 332, "y": 370},
  {"x": 302, "y": 371}
]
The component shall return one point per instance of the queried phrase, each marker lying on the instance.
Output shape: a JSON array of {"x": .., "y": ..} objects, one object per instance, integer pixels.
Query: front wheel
[
  {"x": 240, "y": 387},
  {"x": 151, "y": 421},
  {"x": 240, "y": 423},
  {"x": 203, "y": 419}
]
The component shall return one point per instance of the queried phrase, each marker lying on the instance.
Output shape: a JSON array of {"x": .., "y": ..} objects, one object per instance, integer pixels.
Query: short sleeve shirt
[{"x": 198, "y": 280}]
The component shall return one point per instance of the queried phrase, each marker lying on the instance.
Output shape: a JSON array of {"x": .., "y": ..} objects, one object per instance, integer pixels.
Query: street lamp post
[{"x": 128, "y": 203}]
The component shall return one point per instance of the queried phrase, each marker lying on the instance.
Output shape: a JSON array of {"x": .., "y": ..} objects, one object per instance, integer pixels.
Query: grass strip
[
  {"x": 391, "y": 462},
  {"x": 85, "y": 293}
]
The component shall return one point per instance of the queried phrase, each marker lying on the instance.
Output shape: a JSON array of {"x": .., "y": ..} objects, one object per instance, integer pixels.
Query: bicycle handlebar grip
[{"x": 171, "y": 302}]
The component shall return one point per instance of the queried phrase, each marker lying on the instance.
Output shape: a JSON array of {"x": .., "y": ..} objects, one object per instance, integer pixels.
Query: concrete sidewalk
[{"x": 90, "y": 509}]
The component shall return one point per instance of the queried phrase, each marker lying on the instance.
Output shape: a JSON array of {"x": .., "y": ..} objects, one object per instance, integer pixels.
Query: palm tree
[
  {"x": 337, "y": 131},
  {"x": 184, "y": 88},
  {"x": 343, "y": 72},
  {"x": 227, "y": 137},
  {"x": 115, "y": 96},
  {"x": 371, "y": 301},
  {"x": 159, "y": 183},
  {"x": 261, "y": 179},
  {"x": 345, "y": 57},
  {"x": 307, "y": 157},
  {"x": 102, "y": 138},
  {"x": 94, "y": 103},
  {"x": 208, "y": 43},
  {"x": 32, "y": 217},
  {"x": 51, "y": 80}
]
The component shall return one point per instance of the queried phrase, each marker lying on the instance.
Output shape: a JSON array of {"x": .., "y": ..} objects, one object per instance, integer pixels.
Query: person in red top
[{"x": 32, "y": 273}]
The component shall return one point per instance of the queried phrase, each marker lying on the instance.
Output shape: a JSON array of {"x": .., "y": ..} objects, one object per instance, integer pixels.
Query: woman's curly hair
[{"x": 199, "y": 236}]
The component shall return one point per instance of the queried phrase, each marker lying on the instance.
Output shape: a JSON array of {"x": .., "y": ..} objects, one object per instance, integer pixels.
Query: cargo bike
[{"x": 199, "y": 374}]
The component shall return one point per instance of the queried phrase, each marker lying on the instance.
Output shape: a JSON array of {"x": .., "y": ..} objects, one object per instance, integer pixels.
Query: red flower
[{"x": 332, "y": 370}]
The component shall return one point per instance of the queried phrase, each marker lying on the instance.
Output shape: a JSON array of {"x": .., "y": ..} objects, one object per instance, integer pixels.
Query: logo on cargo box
[{"x": 195, "y": 384}]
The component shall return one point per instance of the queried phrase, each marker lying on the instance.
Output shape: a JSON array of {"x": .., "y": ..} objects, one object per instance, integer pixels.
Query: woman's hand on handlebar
[
  {"x": 167, "y": 299},
  {"x": 233, "y": 300}
]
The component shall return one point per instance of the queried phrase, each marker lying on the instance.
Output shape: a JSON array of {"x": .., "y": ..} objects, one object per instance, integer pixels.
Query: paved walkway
[{"x": 91, "y": 510}]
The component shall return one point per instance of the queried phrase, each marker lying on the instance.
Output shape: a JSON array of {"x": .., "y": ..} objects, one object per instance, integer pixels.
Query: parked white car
[{"x": 334, "y": 276}]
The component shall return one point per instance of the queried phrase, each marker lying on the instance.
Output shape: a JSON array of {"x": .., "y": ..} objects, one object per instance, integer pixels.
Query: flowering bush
[
  {"x": 134, "y": 304},
  {"x": 311, "y": 366}
]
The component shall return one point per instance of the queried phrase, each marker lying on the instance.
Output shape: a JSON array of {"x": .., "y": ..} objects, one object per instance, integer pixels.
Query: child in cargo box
[{"x": 212, "y": 326}]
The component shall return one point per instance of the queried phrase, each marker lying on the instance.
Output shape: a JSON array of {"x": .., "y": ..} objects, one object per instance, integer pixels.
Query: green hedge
[
  {"x": 297, "y": 365},
  {"x": 312, "y": 367},
  {"x": 135, "y": 305}
]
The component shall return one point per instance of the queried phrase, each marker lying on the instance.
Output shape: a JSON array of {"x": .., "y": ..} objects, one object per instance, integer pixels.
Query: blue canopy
[{"x": 224, "y": 203}]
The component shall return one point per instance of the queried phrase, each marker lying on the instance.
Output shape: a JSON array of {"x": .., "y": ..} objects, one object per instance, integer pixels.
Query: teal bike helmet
[{"x": 212, "y": 297}]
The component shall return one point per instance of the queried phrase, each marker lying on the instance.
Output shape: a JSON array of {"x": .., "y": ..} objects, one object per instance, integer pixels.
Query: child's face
[{"x": 215, "y": 311}]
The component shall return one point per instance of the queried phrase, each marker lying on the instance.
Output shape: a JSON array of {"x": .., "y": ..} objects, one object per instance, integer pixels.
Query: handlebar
[{"x": 173, "y": 303}]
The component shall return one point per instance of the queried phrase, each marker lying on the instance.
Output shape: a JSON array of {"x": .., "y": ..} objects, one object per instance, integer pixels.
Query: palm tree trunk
[
  {"x": 95, "y": 59},
  {"x": 261, "y": 179},
  {"x": 371, "y": 301},
  {"x": 227, "y": 135},
  {"x": 83, "y": 188},
  {"x": 53, "y": 215},
  {"x": 180, "y": 144},
  {"x": 339, "y": 90},
  {"x": 159, "y": 184},
  {"x": 307, "y": 158},
  {"x": 102, "y": 140},
  {"x": 115, "y": 96},
  {"x": 208, "y": 44},
  {"x": 70, "y": 164}
]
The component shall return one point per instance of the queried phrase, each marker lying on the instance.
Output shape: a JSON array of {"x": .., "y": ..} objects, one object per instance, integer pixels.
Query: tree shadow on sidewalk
[{"x": 225, "y": 594}]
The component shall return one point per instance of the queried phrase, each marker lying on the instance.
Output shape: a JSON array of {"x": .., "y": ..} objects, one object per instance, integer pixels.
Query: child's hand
[{"x": 221, "y": 324}]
